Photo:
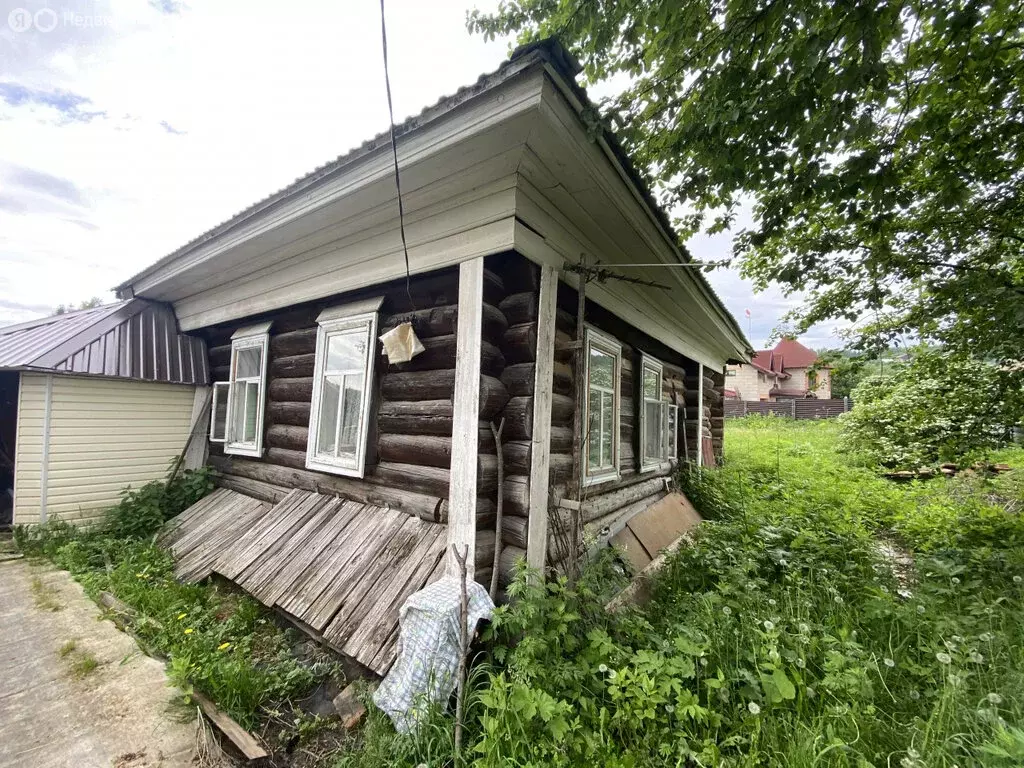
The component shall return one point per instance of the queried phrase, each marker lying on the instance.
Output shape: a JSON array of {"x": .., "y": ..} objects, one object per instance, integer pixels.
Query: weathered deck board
[{"x": 338, "y": 568}]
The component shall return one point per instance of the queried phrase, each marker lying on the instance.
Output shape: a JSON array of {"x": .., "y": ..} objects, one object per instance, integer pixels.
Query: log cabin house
[{"x": 505, "y": 188}]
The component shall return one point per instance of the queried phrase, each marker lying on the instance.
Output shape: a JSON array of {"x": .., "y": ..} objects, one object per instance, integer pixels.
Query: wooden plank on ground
[
  {"x": 378, "y": 534},
  {"x": 664, "y": 522},
  {"x": 363, "y": 640},
  {"x": 292, "y": 556},
  {"x": 240, "y": 737},
  {"x": 267, "y": 552},
  {"x": 199, "y": 563},
  {"x": 293, "y": 580},
  {"x": 174, "y": 526},
  {"x": 199, "y": 529},
  {"x": 634, "y": 552},
  {"x": 321, "y": 575},
  {"x": 358, "y": 602}
]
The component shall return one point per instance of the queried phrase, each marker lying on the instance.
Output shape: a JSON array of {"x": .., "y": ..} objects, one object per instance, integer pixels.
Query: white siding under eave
[{"x": 105, "y": 435}]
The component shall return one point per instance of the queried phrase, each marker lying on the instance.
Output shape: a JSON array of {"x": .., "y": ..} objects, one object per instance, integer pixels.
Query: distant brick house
[{"x": 783, "y": 373}]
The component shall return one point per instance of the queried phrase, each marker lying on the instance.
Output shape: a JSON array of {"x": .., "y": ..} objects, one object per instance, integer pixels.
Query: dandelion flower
[
  {"x": 801, "y": 663},
  {"x": 955, "y": 581},
  {"x": 189, "y": 631},
  {"x": 1017, "y": 579},
  {"x": 182, "y": 616},
  {"x": 783, "y": 562},
  {"x": 944, "y": 658},
  {"x": 977, "y": 658},
  {"x": 602, "y": 668},
  {"x": 727, "y": 610},
  {"x": 920, "y": 609},
  {"x": 223, "y": 646},
  {"x": 915, "y": 695},
  {"x": 754, "y": 708},
  {"x": 889, "y": 663},
  {"x": 994, "y": 698},
  {"x": 769, "y": 626},
  {"x": 771, "y": 601}
]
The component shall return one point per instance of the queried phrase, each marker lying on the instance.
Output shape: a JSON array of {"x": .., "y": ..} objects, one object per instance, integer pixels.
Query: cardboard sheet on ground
[{"x": 428, "y": 650}]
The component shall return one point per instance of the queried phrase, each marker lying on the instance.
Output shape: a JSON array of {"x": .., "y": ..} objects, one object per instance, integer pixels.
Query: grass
[
  {"x": 783, "y": 637},
  {"x": 67, "y": 648},
  {"x": 44, "y": 596},
  {"x": 83, "y": 665}
]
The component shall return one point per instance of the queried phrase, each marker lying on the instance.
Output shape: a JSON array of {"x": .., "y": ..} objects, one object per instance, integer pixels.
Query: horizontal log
[
  {"x": 519, "y": 379},
  {"x": 298, "y": 390},
  {"x": 484, "y": 550},
  {"x": 519, "y": 274},
  {"x": 288, "y": 413},
  {"x": 617, "y": 519},
  {"x": 520, "y": 308},
  {"x": 515, "y": 533},
  {"x": 301, "y": 342},
  {"x": 519, "y": 343},
  {"x": 519, "y": 416},
  {"x": 365, "y": 491},
  {"x": 257, "y": 489},
  {"x": 482, "y": 575},
  {"x": 516, "y": 495},
  {"x": 517, "y": 455},
  {"x": 599, "y": 506},
  {"x": 428, "y": 450},
  {"x": 292, "y": 366},
  {"x": 439, "y": 354},
  {"x": 441, "y": 288},
  {"x": 288, "y": 436},
  {"x": 440, "y": 385},
  {"x": 443, "y": 321},
  {"x": 486, "y": 512},
  {"x": 432, "y": 481},
  {"x": 507, "y": 561}
]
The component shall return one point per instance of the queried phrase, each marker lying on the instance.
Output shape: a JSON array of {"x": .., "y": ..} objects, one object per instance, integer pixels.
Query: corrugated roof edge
[{"x": 549, "y": 50}]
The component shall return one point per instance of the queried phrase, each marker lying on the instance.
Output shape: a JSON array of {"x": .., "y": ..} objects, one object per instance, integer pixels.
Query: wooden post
[
  {"x": 460, "y": 682},
  {"x": 496, "y": 431},
  {"x": 466, "y": 414},
  {"x": 580, "y": 390},
  {"x": 700, "y": 414},
  {"x": 540, "y": 449},
  {"x": 744, "y": 407},
  {"x": 793, "y": 407},
  {"x": 846, "y": 405}
]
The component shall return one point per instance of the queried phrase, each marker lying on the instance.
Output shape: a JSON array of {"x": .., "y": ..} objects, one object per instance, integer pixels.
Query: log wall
[
  {"x": 716, "y": 408},
  {"x": 410, "y": 434}
]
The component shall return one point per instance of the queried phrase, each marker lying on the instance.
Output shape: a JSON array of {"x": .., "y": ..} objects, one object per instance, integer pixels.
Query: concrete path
[{"x": 56, "y": 707}]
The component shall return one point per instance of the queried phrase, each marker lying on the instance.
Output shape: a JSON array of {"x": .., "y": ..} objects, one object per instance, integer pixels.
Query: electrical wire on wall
[{"x": 394, "y": 152}]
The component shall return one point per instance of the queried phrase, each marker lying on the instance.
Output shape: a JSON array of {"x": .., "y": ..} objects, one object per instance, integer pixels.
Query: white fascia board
[
  {"x": 562, "y": 108},
  {"x": 519, "y": 94}
]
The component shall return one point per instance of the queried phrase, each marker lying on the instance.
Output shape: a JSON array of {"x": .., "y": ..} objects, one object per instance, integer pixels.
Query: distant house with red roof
[{"x": 785, "y": 372}]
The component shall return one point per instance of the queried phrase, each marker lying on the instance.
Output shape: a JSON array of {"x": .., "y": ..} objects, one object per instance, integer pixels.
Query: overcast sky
[{"x": 128, "y": 127}]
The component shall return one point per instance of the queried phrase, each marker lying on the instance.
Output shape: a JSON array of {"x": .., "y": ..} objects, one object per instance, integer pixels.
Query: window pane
[
  {"x": 330, "y": 399},
  {"x": 248, "y": 362},
  {"x": 238, "y": 413},
  {"x": 652, "y": 430},
  {"x": 594, "y": 431},
  {"x": 350, "y": 414},
  {"x": 602, "y": 369},
  {"x": 252, "y": 406},
  {"x": 219, "y": 411},
  {"x": 346, "y": 351},
  {"x": 652, "y": 384},
  {"x": 670, "y": 438},
  {"x": 607, "y": 427}
]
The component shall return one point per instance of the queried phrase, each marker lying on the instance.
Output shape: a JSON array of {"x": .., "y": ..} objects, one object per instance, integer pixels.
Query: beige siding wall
[{"x": 105, "y": 434}]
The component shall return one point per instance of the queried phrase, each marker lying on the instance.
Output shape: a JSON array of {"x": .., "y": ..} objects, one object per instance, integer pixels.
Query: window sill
[
  {"x": 334, "y": 469},
  {"x": 251, "y": 451},
  {"x": 611, "y": 477}
]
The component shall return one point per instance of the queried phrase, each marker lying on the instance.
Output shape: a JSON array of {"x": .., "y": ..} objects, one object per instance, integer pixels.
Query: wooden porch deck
[{"x": 337, "y": 568}]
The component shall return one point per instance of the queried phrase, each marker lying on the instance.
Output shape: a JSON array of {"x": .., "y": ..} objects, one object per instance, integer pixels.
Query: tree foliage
[
  {"x": 939, "y": 407},
  {"x": 881, "y": 142},
  {"x": 92, "y": 303}
]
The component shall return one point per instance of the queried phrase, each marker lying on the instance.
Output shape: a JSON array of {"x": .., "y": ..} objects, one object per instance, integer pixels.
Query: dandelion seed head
[
  {"x": 944, "y": 658},
  {"x": 771, "y": 601},
  {"x": 920, "y": 609},
  {"x": 1017, "y": 579},
  {"x": 769, "y": 626},
  {"x": 727, "y": 610},
  {"x": 754, "y": 708},
  {"x": 955, "y": 581},
  {"x": 977, "y": 658},
  {"x": 994, "y": 698},
  {"x": 602, "y": 668},
  {"x": 889, "y": 663}
]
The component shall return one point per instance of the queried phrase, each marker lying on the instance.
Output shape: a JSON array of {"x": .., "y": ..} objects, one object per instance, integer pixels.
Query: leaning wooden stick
[
  {"x": 497, "y": 518},
  {"x": 463, "y": 647}
]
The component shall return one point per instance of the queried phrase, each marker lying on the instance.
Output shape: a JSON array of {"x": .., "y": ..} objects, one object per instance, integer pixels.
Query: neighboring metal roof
[{"x": 134, "y": 339}]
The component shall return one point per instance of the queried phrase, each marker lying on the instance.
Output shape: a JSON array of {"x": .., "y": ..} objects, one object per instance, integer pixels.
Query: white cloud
[{"x": 146, "y": 122}]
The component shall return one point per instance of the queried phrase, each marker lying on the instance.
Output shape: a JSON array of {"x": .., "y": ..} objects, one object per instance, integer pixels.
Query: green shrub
[
  {"x": 938, "y": 408},
  {"x": 142, "y": 511}
]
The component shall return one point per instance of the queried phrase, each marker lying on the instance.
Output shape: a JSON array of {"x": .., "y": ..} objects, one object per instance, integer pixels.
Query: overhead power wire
[{"x": 394, "y": 152}]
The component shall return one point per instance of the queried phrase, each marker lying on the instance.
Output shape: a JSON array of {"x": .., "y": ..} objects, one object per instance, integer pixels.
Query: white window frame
[
  {"x": 608, "y": 345},
  {"x": 672, "y": 434},
  {"x": 248, "y": 338},
  {"x": 226, "y": 386},
  {"x": 647, "y": 463},
  {"x": 342, "y": 319}
]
